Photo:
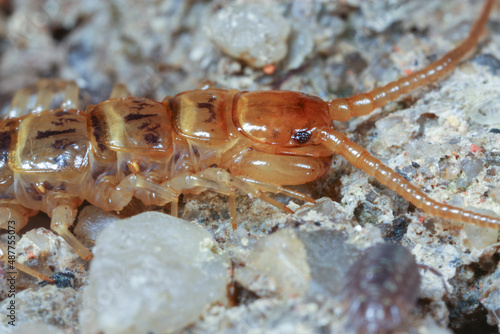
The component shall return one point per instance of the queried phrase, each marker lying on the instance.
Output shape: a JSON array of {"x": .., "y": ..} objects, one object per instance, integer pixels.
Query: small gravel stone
[
  {"x": 483, "y": 106},
  {"x": 91, "y": 221},
  {"x": 329, "y": 257},
  {"x": 277, "y": 266},
  {"x": 490, "y": 297},
  {"x": 152, "y": 273},
  {"x": 254, "y": 33},
  {"x": 44, "y": 246},
  {"x": 395, "y": 130},
  {"x": 36, "y": 327},
  {"x": 49, "y": 304},
  {"x": 471, "y": 167},
  {"x": 481, "y": 237}
]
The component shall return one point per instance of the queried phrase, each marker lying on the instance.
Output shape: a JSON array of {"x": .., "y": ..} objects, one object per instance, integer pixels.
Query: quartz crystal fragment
[{"x": 152, "y": 273}]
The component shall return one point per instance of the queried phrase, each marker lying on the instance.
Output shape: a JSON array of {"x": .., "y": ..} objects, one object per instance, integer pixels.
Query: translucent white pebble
[
  {"x": 254, "y": 33},
  {"x": 152, "y": 273},
  {"x": 35, "y": 327},
  {"x": 280, "y": 261},
  {"x": 483, "y": 105}
]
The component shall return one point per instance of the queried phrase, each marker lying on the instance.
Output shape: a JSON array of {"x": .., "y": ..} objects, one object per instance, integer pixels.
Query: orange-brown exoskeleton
[{"x": 221, "y": 140}]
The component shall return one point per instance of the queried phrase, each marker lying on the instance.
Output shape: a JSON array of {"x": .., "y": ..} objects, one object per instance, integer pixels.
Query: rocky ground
[{"x": 283, "y": 273}]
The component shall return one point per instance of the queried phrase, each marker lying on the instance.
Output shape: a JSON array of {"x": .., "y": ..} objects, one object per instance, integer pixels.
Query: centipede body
[{"x": 125, "y": 168}]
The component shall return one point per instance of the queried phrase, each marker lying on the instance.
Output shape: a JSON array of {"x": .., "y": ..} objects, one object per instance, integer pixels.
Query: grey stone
[{"x": 152, "y": 273}]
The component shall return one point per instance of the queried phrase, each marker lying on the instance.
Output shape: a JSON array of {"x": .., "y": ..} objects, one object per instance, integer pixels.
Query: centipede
[{"x": 256, "y": 142}]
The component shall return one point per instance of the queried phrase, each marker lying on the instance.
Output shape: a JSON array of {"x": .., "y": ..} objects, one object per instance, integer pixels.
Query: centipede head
[{"x": 287, "y": 119}]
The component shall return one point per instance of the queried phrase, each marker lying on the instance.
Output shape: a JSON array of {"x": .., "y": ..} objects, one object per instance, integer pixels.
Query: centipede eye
[{"x": 301, "y": 136}]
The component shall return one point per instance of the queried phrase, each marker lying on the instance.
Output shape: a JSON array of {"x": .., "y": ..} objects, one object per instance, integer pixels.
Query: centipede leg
[
  {"x": 48, "y": 88},
  {"x": 278, "y": 190},
  {"x": 223, "y": 182},
  {"x": 119, "y": 91},
  {"x": 165, "y": 191},
  {"x": 11, "y": 264},
  {"x": 251, "y": 187},
  {"x": 273, "y": 202},
  {"x": 111, "y": 195},
  {"x": 45, "y": 91},
  {"x": 63, "y": 217},
  {"x": 232, "y": 210},
  {"x": 201, "y": 181},
  {"x": 14, "y": 216},
  {"x": 252, "y": 190},
  {"x": 436, "y": 273},
  {"x": 70, "y": 95},
  {"x": 120, "y": 195},
  {"x": 19, "y": 104},
  {"x": 174, "y": 207}
]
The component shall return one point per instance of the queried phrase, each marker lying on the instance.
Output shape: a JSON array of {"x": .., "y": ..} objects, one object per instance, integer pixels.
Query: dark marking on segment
[
  {"x": 171, "y": 104},
  {"x": 47, "y": 134},
  {"x": 97, "y": 131},
  {"x": 196, "y": 153},
  {"x": 151, "y": 138},
  {"x": 62, "y": 121},
  {"x": 47, "y": 185},
  {"x": 203, "y": 105},
  {"x": 61, "y": 144},
  {"x": 153, "y": 127},
  {"x": 62, "y": 113},
  {"x": 211, "y": 112},
  {"x": 140, "y": 105},
  {"x": 148, "y": 126},
  {"x": 134, "y": 117},
  {"x": 5, "y": 140},
  {"x": 97, "y": 172},
  {"x": 6, "y": 196},
  {"x": 301, "y": 103},
  {"x": 144, "y": 125},
  {"x": 126, "y": 171},
  {"x": 35, "y": 195},
  {"x": 102, "y": 171}
]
